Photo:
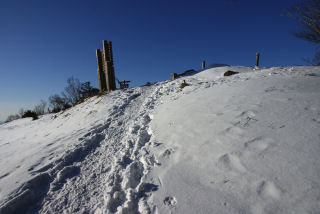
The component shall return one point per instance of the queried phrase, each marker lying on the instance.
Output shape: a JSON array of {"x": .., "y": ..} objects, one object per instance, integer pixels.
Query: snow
[{"x": 247, "y": 143}]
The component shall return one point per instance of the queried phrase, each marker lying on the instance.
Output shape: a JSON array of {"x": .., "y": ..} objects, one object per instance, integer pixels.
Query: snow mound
[{"x": 246, "y": 143}]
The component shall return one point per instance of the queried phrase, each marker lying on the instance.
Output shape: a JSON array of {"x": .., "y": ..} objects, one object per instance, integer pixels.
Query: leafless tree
[
  {"x": 12, "y": 117},
  {"x": 72, "y": 92},
  {"x": 40, "y": 108},
  {"x": 308, "y": 14},
  {"x": 57, "y": 103},
  {"x": 21, "y": 112}
]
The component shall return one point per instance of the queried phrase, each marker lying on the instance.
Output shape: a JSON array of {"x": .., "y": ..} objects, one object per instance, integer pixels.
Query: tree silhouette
[
  {"x": 30, "y": 113},
  {"x": 58, "y": 103},
  {"x": 72, "y": 92},
  {"x": 87, "y": 90},
  {"x": 308, "y": 14}
]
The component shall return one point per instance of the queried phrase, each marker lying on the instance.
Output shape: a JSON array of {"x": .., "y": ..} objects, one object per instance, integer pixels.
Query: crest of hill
[{"x": 203, "y": 147}]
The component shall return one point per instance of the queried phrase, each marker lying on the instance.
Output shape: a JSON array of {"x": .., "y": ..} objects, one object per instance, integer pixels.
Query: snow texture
[{"x": 247, "y": 143}]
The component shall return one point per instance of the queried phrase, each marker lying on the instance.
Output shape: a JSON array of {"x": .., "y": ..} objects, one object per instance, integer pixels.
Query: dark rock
[{"x": 229, "y": 73}]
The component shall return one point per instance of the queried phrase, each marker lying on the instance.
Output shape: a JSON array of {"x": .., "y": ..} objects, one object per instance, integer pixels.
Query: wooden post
[
  {"x": 257, "y": 59},
  {"x": 174, "y": 76},
  {"x": 203, "y": 65},
  {"x": 106, "y": 76},
  {"x": 112, "y": 75},
  {"x": 101, "y": 74}
]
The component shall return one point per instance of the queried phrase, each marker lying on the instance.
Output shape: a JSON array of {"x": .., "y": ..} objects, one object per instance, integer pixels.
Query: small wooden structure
[{"x": 124, "y": 84}]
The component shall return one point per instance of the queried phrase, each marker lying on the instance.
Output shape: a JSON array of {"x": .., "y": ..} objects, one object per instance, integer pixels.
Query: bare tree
[
  {"x": 87, "y": 90},
  {"x": 21, "y": 112},
  {"x": 72, "y": 92},
  {"x": 57, "y": 103},
  {"x": 308, "y": 14},
  {"x": 12, "y": 117},
  {"x": 40, "y": 108}
]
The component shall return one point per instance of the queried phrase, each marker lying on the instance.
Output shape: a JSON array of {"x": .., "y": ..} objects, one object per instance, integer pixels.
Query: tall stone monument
[{"x": 106, "y": 77}]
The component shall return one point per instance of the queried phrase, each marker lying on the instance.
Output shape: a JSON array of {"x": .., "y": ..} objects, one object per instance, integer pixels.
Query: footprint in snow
[
  {"x": 133, "y": 175},
  {"x": 167, "y": 153},
  {"x": 134, "y": 129},
  {"x": 233, "y": 130},
  {"x": 230, "y": 162},
  {"x": 64, "y": 174},
  {"x": 258, "y": 144},
  {"x": 156, "y": 144},
  {"x": 145, "y": 189},
  {"x": 49, "y": 144},
  {"x": 247, "y": 114},
  {"x": 246, "y": 119},
  {"x": 146, "y": 119},
  {"x": 311, "y": 108},
  {"x": 317, "y": 120},
  {"x": 268, "y": 189},
  {"x": 219, "y": 114},
  {"x": 170, "y": 201},
  {"x": 144, "y": 137},
  {"x": 152, "y": 161}
]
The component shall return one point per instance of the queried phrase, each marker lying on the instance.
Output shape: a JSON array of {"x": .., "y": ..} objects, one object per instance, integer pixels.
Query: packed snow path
[
  {"x": 111, "y": 176},
  {"x": 248, "y": 143},
  {"x": 105, "y": 171}
]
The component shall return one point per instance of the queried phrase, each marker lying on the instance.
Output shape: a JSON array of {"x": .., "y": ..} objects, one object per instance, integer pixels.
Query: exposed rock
[{"x": 229, "y": 73}]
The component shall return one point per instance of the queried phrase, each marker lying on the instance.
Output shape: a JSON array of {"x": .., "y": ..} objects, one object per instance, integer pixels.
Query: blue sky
[{"x": 42, "y": 43}]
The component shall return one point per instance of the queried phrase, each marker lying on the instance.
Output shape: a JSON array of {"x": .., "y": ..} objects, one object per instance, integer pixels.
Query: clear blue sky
[{"x": 42, "y": 43}]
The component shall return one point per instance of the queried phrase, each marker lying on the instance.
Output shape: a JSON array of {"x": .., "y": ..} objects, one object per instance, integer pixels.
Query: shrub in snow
[
  {"x": 30, "y": 113},
  {"x": 183, "y": 84}
]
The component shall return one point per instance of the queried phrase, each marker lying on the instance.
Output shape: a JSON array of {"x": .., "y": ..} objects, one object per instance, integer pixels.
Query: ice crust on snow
[{"x": 248, "y": 143}]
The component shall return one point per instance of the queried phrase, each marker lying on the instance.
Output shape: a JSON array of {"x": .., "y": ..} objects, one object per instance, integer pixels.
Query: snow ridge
[
  {"x": 126, "y": 186},
  {"x": 221, "y": 144}
]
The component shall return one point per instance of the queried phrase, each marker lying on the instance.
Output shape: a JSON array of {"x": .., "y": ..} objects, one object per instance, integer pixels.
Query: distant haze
[{"x": 11, "y": 108}]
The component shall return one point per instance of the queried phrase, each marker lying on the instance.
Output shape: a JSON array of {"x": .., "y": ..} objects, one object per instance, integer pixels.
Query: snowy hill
[{"x": 247, "y": 143}]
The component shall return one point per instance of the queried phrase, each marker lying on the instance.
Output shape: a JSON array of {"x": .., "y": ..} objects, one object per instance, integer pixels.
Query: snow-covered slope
[{"x": 247, "y": 143}]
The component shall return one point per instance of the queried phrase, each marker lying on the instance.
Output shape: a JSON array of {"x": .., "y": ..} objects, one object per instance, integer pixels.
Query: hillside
[{"x": 247, "y": 143}]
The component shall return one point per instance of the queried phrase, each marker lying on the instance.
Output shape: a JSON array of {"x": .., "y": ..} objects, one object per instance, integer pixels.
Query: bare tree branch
[{"x": 308, "y": 14}]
